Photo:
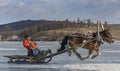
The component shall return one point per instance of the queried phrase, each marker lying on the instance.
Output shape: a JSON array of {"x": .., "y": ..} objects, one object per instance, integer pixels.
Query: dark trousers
[{"x": 34, "y": 52}]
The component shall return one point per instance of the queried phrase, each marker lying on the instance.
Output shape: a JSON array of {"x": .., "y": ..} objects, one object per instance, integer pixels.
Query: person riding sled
[{"x": 32, "y": 47}]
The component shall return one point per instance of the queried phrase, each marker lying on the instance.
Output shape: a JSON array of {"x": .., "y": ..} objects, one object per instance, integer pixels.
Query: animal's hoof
[
  {"x": 93, "y": 57},
  {"x": 69, "y": 54},
  {"x": 83, "y": 59}
]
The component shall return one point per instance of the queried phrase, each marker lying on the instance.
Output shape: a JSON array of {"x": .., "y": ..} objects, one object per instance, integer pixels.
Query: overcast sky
[{"x": 15, "y": 10}]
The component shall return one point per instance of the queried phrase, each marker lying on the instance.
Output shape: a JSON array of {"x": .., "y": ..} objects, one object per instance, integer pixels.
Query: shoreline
[{"x": 116, "y": 41}]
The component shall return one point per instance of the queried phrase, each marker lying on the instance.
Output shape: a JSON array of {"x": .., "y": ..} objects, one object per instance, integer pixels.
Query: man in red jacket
[{"x": 30, "y": 46}]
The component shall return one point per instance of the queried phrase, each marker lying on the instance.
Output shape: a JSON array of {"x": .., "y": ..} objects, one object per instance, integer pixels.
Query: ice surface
[{"x": 109, "y": 60}]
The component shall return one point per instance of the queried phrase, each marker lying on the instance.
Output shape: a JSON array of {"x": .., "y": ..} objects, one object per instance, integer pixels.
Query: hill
[
  {"x": 21, "y": 25},
  {"x": 51, "y": 30}
]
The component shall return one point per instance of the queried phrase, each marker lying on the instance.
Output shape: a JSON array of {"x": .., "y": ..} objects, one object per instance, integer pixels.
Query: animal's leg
[
  {"x": 68, "y": 49},
  {"x": 77, "y": 54},
  {"x": 98, "y": 53},
  {"x": 89, "y": 54}
]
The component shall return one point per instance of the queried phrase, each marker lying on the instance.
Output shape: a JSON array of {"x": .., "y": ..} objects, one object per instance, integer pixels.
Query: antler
[
  {"x": 98, "y": 28},
  {"x": 99, "y": 23}
]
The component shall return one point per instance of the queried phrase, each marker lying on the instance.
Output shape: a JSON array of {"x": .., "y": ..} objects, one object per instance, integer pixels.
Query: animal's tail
[{"x": 63, "y": 43}]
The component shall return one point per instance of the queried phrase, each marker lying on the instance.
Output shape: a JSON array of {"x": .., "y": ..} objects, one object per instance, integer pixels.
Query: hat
[{"x": 26, "y": 36}]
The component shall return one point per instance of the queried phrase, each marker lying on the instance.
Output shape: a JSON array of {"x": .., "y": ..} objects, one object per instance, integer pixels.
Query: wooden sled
[{"x": 26, "y": 59}]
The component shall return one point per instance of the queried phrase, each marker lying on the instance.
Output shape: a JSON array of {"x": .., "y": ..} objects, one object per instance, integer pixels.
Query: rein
[{"x": 106, "y": 38}]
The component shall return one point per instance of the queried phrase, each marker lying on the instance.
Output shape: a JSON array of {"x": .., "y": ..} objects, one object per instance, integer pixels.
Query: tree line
[{"x": 40, "y": 32}]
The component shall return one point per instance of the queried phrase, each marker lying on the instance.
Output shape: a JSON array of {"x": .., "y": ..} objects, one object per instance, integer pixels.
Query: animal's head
[{"x": 107, "y": 36}]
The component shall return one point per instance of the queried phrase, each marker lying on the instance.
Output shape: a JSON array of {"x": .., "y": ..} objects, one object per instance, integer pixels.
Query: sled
[{"x": 30, "y": 59}]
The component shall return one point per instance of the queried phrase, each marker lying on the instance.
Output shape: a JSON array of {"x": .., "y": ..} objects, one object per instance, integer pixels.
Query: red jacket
[{"x": 29, "y": 45}]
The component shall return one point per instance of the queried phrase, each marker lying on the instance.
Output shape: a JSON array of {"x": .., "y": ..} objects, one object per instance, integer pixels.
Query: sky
[{"x": 103, "y": 10}]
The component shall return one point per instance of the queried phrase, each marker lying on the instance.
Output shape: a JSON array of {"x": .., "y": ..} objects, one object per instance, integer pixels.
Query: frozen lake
[{"x": 109, "y": 60}]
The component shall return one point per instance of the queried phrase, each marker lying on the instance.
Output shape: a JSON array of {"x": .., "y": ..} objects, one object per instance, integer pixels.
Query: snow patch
[
  {"x": 8, "y": 49},
  {"x": 112, "y": 51},
  {"x": 96, "y": 67},
  {"x": 91, "y": 67}
]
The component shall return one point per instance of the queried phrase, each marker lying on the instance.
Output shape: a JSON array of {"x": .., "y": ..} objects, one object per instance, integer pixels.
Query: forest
[{"x": 45, "y": 30}]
